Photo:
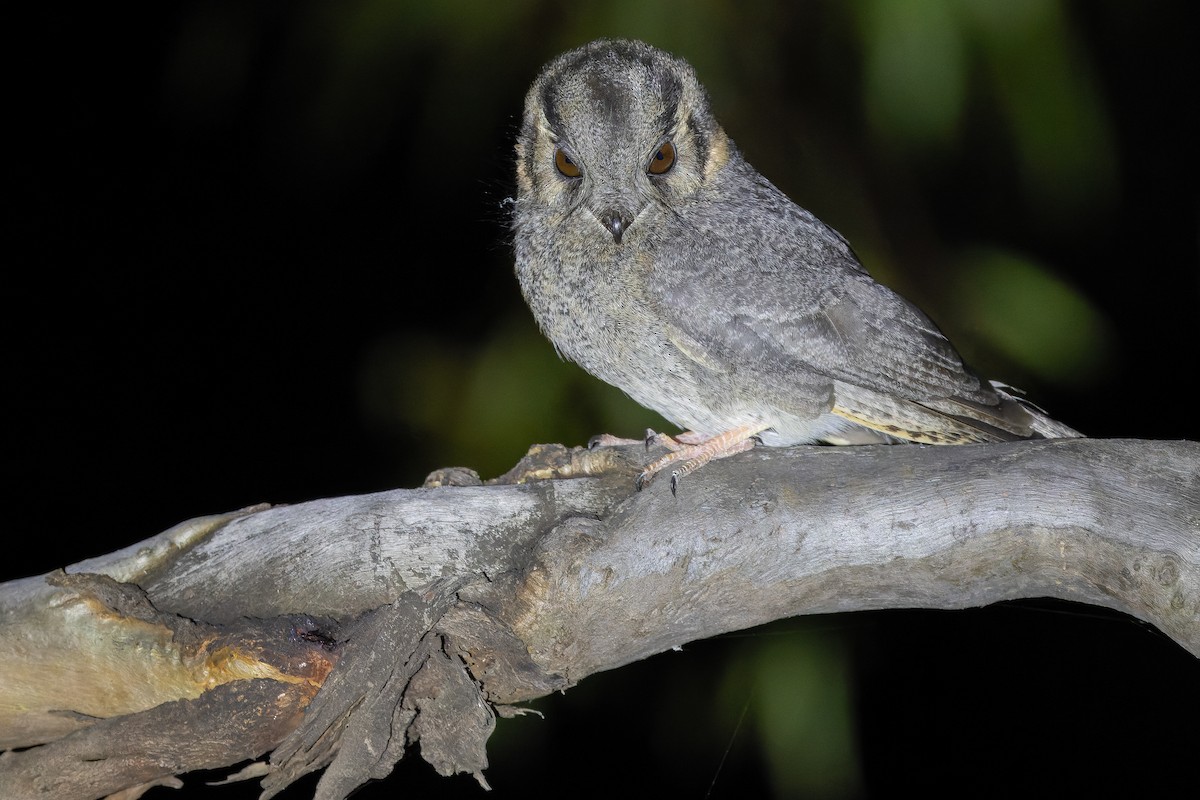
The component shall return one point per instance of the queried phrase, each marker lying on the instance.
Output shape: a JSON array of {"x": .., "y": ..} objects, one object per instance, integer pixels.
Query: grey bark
[{"x": 419, "y": 614}]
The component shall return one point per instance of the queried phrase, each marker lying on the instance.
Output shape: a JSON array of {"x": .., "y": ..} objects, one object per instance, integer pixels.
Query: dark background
[{"x": 258, "y": 253}]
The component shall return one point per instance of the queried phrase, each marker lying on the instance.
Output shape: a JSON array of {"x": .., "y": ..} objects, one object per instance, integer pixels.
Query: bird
[{"x": 655, "y": 257}]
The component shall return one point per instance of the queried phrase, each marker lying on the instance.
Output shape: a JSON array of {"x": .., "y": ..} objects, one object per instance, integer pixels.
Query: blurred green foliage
[
  {"x": 915, "y": 75},
  {"x": 925, "y": 63},
  {"x": 803, "y": 714},
  {"x": 1033, "y": 319},
  {"x": 486, "y": 405}
]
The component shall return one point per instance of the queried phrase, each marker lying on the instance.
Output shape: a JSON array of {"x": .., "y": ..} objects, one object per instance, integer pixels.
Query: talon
[
  {"x": 595, "y": 441},
  {"x": 674, "y": 482},
  {"x": 666, "y": 440}
]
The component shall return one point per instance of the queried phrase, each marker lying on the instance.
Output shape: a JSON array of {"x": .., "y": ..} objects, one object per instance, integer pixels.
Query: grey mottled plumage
[{"x": 660, "y": 261}]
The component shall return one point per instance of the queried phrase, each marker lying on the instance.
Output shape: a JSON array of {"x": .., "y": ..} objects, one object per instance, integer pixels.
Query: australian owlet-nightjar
[{"x": 660, "y": 261}]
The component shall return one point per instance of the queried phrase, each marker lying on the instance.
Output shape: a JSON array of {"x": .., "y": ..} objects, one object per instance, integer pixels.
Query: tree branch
[{"x": 419, "y": 613}]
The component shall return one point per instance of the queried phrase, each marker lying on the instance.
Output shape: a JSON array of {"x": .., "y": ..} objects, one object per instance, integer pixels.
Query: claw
[{"x": 672, "y": 443}]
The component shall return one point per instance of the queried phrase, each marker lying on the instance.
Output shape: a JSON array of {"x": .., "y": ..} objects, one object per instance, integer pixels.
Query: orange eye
[
  {"x": 662, "y": 161},
  {"x": 565, "y": 165}
]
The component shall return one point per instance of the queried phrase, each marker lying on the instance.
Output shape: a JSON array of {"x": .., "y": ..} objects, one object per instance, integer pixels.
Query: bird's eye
[
  {"x": 662, "y": 160},
  {"x": 564, "y": 163}
]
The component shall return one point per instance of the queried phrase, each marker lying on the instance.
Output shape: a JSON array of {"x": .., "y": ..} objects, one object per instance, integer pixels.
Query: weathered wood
[{"x": 431, "y": 609}]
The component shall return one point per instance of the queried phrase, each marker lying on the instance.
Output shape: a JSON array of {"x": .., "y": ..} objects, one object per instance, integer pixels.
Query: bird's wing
[
  {"x": 783, "y": 308},
  {"x": 769, "y": 305}
]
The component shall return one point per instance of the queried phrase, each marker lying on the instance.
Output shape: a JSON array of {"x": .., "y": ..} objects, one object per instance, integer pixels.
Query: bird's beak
[{"x": 616, "y": 222}]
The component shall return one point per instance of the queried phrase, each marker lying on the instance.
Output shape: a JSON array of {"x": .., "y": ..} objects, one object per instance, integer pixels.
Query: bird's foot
[
  {"x": 694, "y": 451},
  {"x": 651, "y": 438}
]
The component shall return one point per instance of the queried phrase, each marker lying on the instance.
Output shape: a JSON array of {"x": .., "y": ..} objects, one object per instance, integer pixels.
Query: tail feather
[
  {"x": 949, "y": 420},
  {"x": 1042, "y": 424}
]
